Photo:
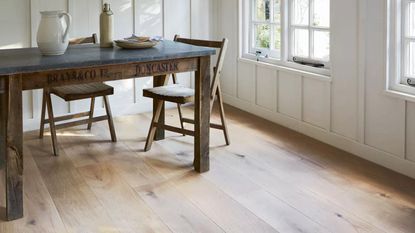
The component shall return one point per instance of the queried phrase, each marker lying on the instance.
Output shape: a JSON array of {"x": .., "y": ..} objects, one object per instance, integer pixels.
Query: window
[
  {"x": 266, "y": 28},
  {"x": 401, "y": 45},
  {"x": 309, "y": 30},
  {"x": 408, "y": 41},
  {"x": 294, "y": 33}
]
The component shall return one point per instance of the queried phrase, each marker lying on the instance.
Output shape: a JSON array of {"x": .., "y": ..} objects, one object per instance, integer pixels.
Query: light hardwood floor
[{"x": 270, "y": 179}]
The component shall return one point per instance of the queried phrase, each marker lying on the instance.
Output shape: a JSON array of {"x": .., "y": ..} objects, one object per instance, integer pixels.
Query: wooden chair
[
  {"x": 76, "y": 92},
  {"x": 182, "y": 95}
]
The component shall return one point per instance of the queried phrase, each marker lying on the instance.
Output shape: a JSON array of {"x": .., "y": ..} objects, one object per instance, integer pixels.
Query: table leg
[
  {"x": 161, "y": 80},
  {"x": 12, "y": 136},
  {"x": 202, "y": 115},
  {"x": 3, "y": 124}
]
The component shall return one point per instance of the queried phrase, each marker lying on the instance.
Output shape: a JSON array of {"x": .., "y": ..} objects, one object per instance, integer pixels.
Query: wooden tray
[{"x": 135, "y": 45}]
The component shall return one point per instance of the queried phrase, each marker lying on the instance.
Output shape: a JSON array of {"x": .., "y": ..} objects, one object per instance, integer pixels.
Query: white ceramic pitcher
[{"x": 52, "y": 37}]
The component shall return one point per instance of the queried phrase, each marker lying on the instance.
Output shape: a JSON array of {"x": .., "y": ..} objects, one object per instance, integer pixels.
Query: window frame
[
  {"x": 272, "y": 53},
  {"x": 246, "y": 10},
  {"x": 310, "y": 29},
  {"x": 397, "y": 44},
  {"x": 406, "y": 39}
]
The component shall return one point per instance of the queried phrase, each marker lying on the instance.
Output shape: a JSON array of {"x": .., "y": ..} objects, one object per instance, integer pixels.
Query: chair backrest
[
  {"x": 217, "y": 70},
  {"x": 84, "y": 40}
]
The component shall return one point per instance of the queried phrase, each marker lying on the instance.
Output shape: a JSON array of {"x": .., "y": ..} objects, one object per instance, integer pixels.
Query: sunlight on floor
[{"x": 70, "y": 134}]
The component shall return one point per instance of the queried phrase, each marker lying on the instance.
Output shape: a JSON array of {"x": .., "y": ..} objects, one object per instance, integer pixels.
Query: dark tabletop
[{"x": 26, "y": 60}]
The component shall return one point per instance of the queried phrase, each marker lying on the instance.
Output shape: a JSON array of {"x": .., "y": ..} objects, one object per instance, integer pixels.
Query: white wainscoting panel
[
  {"x": 85, "y": 17},
  {"x": 178, "y": 23},
  {"x": 15, "y": 24},
  {"x": 344, "y": 68},
  {"x": 266, "y": 88},
  {"x": 385, "y": 116},
  {"x": 410, "y": 131},
  {"x": 202, "y": 25},
  {"x": 316, "y": 103},
  {"x": 148, "y": 17},
  {"x": 246, "y": 82},
  {"x": 290, "y": 94},
  {"x": 228, "y": 20}
]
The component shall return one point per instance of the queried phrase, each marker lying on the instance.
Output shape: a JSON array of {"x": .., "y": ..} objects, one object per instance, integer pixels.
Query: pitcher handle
[{"x": 68, "y": 25}]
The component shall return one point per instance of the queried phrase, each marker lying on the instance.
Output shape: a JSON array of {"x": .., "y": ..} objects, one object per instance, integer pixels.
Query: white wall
[
  {"x": 19, "y": 21},
  {"x": 350, "y": 110}
]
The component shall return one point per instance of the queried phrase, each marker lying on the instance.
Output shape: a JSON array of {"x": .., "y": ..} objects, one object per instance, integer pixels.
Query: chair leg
[
  {"x": 52, "y": 124},
  {"x": 174, "y": 76},
  {"x": 179, "y": 108},
  {"x": 91, "y": 113},
  {"x": 110, "y": 120},
  {"x": 222, "y": 116},
  {"x": 153, "y": 127},
  {"x": 43, "y": 115}
]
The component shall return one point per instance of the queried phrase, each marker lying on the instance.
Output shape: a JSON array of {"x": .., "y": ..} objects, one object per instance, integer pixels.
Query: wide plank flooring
[{"x": 270, "y": 179}]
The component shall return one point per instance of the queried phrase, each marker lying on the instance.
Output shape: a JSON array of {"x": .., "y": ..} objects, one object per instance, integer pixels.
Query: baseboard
[{"x": 367, "y": 152}]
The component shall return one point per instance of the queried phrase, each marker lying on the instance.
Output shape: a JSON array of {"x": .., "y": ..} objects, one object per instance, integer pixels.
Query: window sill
[
  {"x": 401, "y": 95},
  {"x": 322, "y": 74}
]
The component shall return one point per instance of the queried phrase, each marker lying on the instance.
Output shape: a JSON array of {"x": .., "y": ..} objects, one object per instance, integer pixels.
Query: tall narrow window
[
  {"x": 309, "y": 29},
  {"x": 266, "y": 28},
  {"x": 408, "y": 40}
]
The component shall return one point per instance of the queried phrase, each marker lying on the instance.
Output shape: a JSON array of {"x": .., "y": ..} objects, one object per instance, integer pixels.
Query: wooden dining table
[{"x": 26, "y": 69}]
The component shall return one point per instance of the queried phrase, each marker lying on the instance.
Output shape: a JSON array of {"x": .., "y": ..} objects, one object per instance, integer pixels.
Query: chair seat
[
  {"x": 82, "y": 91},
  {"x": 171, "y": 93}
]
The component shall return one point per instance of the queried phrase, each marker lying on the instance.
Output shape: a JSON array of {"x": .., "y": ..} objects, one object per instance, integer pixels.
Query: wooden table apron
[{"x": 11, "y": 120}]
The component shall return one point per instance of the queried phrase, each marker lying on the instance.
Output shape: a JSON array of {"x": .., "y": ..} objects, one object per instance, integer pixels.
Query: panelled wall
[
  {"x": 19, "y": 21},
  {"x": 349, "y": 110}
]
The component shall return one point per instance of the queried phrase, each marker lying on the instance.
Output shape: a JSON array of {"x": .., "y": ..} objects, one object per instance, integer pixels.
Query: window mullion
[
  {"x": 405, "y": 56},
  {"x": 284, "y": 33},
  {"x": 252, "y": 9},
  {"x": 310, "y": 32},
  {"x": 272, "y": 26}
]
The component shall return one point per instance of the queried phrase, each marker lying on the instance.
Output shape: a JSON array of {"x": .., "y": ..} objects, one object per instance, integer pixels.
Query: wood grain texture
[
  {"x": 79, "y": 208},
  {"x": 127, "y": 210},
  {"x": 14, "y": 149},
  {"x": 153, "y": 125},
  {"x": 82, "y": 91},
  {"x": 110, "y": 120},
  {"x": 40, "y": 213},
  {"x": 95, "y": 74},
  {"x": 52, "y": 126},
  {"x": 202, "y": 116},
  {"x": 3, "y": 121},
  {"x": 158, "y": 81},
  {"x": 166, "y": 201},
  {"x": 270, "y": 179}
]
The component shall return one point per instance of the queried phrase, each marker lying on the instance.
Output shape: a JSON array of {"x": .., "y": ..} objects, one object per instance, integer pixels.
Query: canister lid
[{"x": 107, "y": 7}]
